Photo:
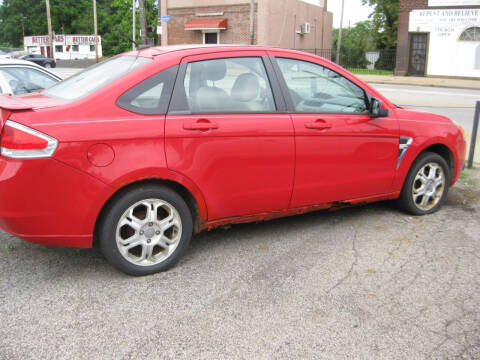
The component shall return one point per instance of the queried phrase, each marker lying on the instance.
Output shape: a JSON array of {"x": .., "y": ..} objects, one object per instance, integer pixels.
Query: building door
[{"x": 418, "y": 54}]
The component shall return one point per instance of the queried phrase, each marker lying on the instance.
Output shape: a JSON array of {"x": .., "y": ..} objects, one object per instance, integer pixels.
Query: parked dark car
[{"x": 40, "y": 60}]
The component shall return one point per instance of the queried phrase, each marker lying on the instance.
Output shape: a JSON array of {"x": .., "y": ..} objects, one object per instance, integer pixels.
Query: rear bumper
[{"x": 47, "y": 202}]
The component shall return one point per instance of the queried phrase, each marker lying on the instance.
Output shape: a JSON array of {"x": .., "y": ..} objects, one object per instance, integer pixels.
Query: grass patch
[{"x": 370, "y": 72}]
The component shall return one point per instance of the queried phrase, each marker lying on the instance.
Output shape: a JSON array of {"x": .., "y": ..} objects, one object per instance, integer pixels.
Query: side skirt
[{"x": 209, "y": 225}]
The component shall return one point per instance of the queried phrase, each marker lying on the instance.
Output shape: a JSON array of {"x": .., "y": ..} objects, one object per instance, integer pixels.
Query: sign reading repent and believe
[{"x": 453, "y": 2}]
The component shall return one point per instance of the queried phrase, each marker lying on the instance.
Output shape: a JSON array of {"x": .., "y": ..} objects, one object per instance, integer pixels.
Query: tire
[
  {"x": 48, "y": 65},
  {"x": 426, "y": 185},
  {"x": 144, "y": 218}
]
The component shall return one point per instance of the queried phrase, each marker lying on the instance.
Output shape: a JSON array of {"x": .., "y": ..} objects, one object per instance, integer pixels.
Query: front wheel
[
  {"x": 426, "y": 186},
  {"x": 146, "y": 230},
  {"x": 48, "y": 65}
]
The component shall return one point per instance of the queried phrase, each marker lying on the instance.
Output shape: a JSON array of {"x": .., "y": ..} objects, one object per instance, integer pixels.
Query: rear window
[{"x": 95, "y": 77}]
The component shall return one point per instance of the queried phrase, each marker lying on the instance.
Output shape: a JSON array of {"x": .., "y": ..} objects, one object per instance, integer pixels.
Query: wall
[
  {"x": 238, "y": 24},
  {"x": 274, "y": 25},
  {"x": 405, "y": 7},
  {"x": 445, "y": 27},
  {"x": 277, "y": 25}
]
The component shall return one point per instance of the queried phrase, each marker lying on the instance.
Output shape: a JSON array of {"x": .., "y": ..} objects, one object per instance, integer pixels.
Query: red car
[{"x": 142, "y": 151}]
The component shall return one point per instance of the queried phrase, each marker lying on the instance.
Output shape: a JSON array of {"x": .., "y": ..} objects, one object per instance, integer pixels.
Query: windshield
[{"x": 95, "y": 77}]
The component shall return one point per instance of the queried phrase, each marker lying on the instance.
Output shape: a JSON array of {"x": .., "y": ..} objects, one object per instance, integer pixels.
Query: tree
[
  {"x": 355, "y": 42},
  {"x": 384, "y": 20},
  {"x": 73, "y": 17}
]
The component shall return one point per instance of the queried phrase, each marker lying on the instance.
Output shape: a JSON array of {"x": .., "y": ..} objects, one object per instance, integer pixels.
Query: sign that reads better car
[
  {"x": 44, "y": 40},
  {"x": 453, "y": 2}
]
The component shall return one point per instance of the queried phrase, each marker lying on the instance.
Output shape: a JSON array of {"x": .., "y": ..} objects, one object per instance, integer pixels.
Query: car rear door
[
  {"x": 342, "y": 153},
  {"x": 227, "y": 130}
]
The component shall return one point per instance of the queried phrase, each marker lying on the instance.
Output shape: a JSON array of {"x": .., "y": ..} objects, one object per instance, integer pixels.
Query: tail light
[{"x": 21, "y": 142}]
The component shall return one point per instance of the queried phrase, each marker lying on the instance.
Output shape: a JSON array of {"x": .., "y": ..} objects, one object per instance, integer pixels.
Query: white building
[{"x": 66, "y": 47}]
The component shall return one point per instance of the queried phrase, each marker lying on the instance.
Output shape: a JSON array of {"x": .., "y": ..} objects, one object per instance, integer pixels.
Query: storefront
[
  {"x": 441, "y": 39},
  {"x": 66, "y": 47}
]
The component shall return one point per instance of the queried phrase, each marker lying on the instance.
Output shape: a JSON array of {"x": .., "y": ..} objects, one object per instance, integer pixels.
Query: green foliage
[
  {"x": 74, "y": 17},
  {"x": 355, "y": 42},
  {"x": 384, "y": 21}
]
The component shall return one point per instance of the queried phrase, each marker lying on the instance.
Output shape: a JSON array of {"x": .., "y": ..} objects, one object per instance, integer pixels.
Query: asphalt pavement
[{"x": 368, "y": 282}]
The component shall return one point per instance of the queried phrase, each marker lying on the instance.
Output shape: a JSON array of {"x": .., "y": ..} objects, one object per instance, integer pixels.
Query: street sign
[
  {"x": 159, "y": 30},
  {"x": 165, "y": 18}
]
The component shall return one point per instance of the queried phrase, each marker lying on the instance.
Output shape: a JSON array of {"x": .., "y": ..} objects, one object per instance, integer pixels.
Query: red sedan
[{"x": 146, "y": 149}]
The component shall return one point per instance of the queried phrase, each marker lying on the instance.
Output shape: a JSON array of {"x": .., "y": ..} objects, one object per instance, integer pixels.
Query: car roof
[
  {"x": 159, "y": 50},
  {"x": 18, "y": 62}
]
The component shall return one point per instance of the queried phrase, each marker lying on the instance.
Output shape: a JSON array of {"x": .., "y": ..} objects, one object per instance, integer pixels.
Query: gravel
[{"x": 365, "y": 282}]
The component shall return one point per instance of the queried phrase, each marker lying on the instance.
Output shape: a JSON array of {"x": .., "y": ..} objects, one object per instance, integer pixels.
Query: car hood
[{"x": 409, "y": 114}]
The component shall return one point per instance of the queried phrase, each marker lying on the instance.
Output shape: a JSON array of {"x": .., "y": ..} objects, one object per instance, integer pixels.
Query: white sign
[
  {"x": 159, "y": 30},
  {"x": 453, "y": 2},
  {"x": 44, "y": 40},
  {"x": 442, "y": 22}
]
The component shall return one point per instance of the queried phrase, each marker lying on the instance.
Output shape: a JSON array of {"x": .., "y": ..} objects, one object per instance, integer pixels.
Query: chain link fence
[{"x": 377, "y": 62}]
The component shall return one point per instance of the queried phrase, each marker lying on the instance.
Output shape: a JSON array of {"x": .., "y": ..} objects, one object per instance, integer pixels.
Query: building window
[
  {"x": 471, "y": 34},
  {"x": 58, "y": 48},
  {"x": 92, "y": 48},
  {"x": 211, "y": 38},
  {"x": 75, "y": 48}
]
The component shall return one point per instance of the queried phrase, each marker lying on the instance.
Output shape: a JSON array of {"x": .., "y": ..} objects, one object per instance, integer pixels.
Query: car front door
[
  {"x": 227, "y": 130},
  {"x": 342, "y": 153}
]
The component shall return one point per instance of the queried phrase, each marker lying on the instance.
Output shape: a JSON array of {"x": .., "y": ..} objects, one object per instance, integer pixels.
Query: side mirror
[{"x": 376, "y": 109}]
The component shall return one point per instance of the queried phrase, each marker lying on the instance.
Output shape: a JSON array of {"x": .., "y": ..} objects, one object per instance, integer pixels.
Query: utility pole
[
  {"x": 143, "y": 21},
  {"x": 339, "y": 41},
  {"x": 133, "y": 24},
  {"x": 49, "y": 24},
  {"x": 159, "y": 41},
  {"x": 95, "y": 29},
  {"x": 252, "y": 20}
]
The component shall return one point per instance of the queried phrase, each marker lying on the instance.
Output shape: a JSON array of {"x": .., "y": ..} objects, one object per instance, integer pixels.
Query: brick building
[
  {"x": 439, "y": 38},
  {"x": 300, "y": 24}
]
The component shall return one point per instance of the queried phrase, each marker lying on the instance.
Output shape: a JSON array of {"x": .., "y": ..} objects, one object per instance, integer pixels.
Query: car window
[
  {"x": 317, "y": 89},
  {"x": 24, "y": 80},
  {"x": 152, "y": 95},
  {"x": 95, "y": 77},
  {"x": 231, "y": 85}
]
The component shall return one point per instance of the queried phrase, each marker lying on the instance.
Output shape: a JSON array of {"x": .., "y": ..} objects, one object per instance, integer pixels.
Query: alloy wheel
[
  {"x": 148, "y": 232},
  {"x": 428, "y": 186}
]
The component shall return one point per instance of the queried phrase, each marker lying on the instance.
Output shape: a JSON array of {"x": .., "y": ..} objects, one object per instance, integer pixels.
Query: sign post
[{"x": 476, "y": 119}]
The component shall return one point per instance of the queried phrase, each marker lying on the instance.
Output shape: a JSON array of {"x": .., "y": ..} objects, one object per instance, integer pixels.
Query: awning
[{"x": 206, "y": 24}]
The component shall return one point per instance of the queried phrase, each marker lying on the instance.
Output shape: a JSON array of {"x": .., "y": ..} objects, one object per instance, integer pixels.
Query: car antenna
[{"x": 141, "y": 46}]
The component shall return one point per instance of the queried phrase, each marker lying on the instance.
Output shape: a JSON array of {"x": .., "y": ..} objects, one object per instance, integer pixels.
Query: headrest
[
  {"x": 214, "y": 70},
  {"x": 245, "y": 88}
]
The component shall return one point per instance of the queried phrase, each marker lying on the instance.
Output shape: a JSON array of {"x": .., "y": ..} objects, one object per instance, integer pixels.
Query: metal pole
[
  {"x": 143, "y": 21},
  {"x": 95, "y": 29},
  {"x": 252, "y": 19},
  {"x": 476, "y": 119},
  {"x": 133, "y": 24},
  {"x": 339, "y": 41},
  {"x": 49, "y": 24}
]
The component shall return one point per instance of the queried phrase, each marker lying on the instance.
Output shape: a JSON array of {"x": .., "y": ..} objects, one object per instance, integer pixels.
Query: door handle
[
  {"x": 318, "y": 124},
  {"x": 202, "y": 125}
]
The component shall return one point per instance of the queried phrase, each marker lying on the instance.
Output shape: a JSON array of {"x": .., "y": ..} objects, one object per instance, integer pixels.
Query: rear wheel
[
  {"x": 146, "y": 230},
  {"x": 426, "y": 186}
]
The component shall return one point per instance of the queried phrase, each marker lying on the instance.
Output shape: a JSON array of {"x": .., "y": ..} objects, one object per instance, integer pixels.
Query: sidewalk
[{"x": 421, "y": 81}]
